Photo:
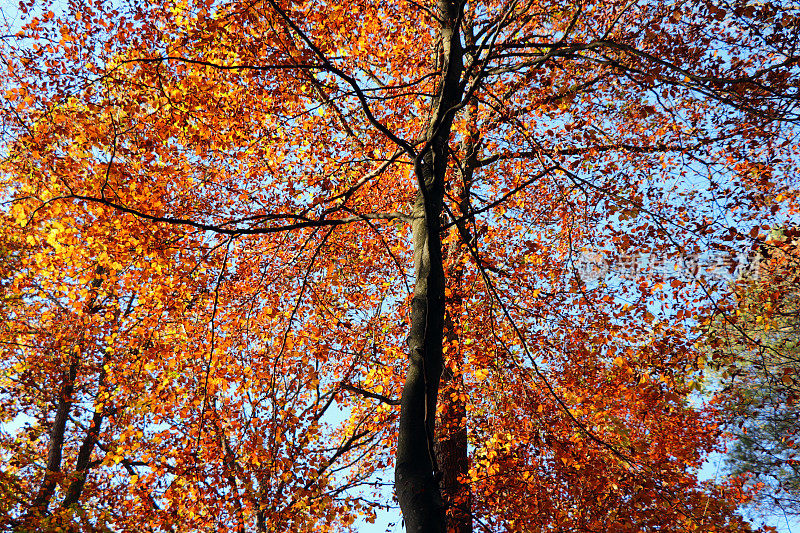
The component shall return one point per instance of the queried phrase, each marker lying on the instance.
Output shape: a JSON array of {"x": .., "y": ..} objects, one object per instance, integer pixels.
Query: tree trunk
[
  {"x": 451, "y": 429},
  {"x": 451, "y": 426},
  {"x": 82, "y": 463},
  {"x": 41, "y": 503},
  {"x": 78, "y": 482},
  {"x": 57, "y": 431},
  {"x": 451, "y": 454},
  {"x": 416, "y": 475}
]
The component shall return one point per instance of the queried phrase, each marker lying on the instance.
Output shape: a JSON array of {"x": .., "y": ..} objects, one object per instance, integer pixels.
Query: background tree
[
  {"x": 757, "y": 346},
  {"x": 237, "y": 216}
]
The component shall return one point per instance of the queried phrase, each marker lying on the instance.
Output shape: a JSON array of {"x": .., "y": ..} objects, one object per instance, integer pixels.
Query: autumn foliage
[
  {"x": 250, "y": 250},
  {"x": 754, "y": 345}
]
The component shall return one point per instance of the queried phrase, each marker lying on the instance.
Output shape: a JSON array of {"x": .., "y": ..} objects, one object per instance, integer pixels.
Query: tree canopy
[
  {"x": 755, "y": 344},
  {"x": 258, "y": 254}
]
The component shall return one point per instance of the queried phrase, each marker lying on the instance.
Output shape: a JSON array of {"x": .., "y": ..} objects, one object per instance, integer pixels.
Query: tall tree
[
  {"x": 234, "y": 217},
  {"x": 756, "y": 347}
]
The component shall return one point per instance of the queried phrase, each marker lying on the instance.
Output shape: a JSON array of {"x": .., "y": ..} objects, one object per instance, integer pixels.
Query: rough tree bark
[
  {"x": 451, "y": 428},
  {"x": 451, "y": 442},
  {"x": 416, "y": 476}
]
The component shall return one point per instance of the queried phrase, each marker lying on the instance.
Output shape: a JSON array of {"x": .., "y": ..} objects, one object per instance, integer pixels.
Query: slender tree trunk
[
  {"x": 451, "y": 430},
  {"x": 82, "y": 464},
  {"x": 451, "y": 427},
  {"x": 78, "y": 482},
  {"x": 451, "y": 454},
  {"x": 41, "y": 503},
  {"x": 416, "y": 475},
  {"x": 57, "y": 431}
]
